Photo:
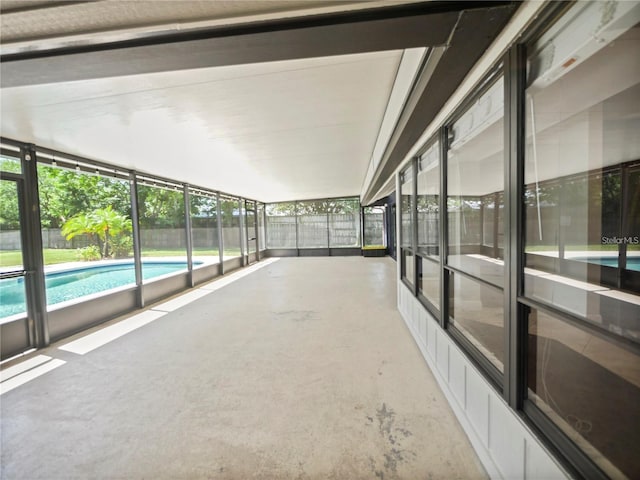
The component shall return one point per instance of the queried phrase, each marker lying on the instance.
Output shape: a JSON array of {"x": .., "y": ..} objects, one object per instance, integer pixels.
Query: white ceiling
[
  {"x": 271, "y": 131},
  {"x": 27, "y": 25}
]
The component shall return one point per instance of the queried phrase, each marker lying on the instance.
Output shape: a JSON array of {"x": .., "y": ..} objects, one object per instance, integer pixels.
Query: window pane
[
  {"x": 10, "y": 164},
  {"x": 429, "y": 280},
  {"x": 582, "y": 183},
  {"x": 262, "y": 239},
  {"x": 12, "y": 290},
  {"x": 313, "y": 224},
  {"x": 230, "y": 212},
  {"x": 408, "y": 270},
  {"x": 85, "y": 218},
  {"x": 429, "y": 202},
  {"x": 374, "y": 226},
  {"x": 590, "y": 387},
  {"x": 344, "y": 222},
  {"x": 477, "y": 311},
  {"x": 204, "y": 229},
  {"x": 475, "y": 183},
  {"x": 406, "y": 208},
  {"x": 162, "y": 231},
  {"x": 281, "y": 225},
  {"x": 582, "y": 145}
]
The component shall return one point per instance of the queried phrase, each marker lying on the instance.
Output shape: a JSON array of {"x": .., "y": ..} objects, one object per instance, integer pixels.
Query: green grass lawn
[
  {"x": 10, "y": 258},
  {"x": 51, "y": 256}
]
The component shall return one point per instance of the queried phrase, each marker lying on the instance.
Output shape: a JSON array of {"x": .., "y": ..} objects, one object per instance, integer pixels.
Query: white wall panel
[
  {"x": 506, "y": 439},
  {"x": 506, "y": 447},
  {"x": 537, "y": 463},
  {"x": 478, "y": 405},
  {"x": 457, "y": 374},
  {"x": 442, "y": 354},
  {"x": 431, "y": 338},
  {"x": 422, "y": 326}
]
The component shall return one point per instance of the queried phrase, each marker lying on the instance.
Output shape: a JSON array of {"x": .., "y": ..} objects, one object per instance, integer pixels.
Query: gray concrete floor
[{"x": 301, "y": 370}]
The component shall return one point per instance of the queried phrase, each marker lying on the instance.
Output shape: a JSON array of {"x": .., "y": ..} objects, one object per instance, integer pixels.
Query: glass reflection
[
  {"x": 429, "y": 280},
  {"x": 582, "y": 244},
  {"x": 477, "y": 311},
  {"x": 575, "y": 377},
  {"x": 475, "y": 184}
]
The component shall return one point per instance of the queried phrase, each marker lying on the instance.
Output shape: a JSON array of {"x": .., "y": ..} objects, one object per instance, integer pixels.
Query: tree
[
  {"x": 66, "y": 193},
  {"x": 160, "y": 207},
  {"x": 103, "y": 224}
]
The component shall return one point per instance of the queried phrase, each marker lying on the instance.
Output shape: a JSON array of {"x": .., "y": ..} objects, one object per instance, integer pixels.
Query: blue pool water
[
  {"x": 633, "y": 263},
  {"x": 73, "y": 283}
]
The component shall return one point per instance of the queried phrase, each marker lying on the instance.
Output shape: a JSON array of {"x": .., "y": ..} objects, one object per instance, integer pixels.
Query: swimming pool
[
  {"x": 73, "y": 283},
  {"x": 633, "y": 263}
]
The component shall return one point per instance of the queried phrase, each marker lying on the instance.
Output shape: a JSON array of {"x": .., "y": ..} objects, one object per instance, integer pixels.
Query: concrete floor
[{"x": 301, "y": 370}]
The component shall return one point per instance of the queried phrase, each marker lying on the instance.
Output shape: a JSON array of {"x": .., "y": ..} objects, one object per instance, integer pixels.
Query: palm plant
[{"x": 103, "y": 223}]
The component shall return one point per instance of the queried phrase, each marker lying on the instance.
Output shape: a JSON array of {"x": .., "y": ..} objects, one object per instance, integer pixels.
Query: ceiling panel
[
  {"x": 25, "y": 20},
  {"x": 271, "y": 131}
]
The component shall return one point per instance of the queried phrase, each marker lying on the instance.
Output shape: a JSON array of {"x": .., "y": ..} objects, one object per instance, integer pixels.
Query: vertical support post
[
  {"x": 266, "y": 232},
  {"x": 220, "y": 235},
  {"x": 514, "y": 145},
  {"x": 188, "y": 233},
  {"x": 625, "y": 231},
  {"x": 137, "y": 246},
  {"x": 362, "y": 226},
  {"x": 444, "y": 229},
  {"x": 328, "y": 231},
  {"x": 256, "y": 231},
  {"x": 33, "y": 257},
  {"x": 295, "y": 215}
]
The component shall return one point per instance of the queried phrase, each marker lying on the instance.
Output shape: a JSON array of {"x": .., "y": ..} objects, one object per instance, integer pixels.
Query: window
[
  {"x": 204, "y": 228},
  {"x": 344, "y": 223},
  {"x": 230, "y": 213},
  {"x": 262, "y": 239},
  {"x": 281, "y": 225},
  {"x": 407, "y": 207},
  {"x": 582, "y": 243},
  {"x": 428, "y": 224},
  {"x": 86, "y": 217},
  {"x": 374, "y": 231},
  {"x": 475, "y": 186},
  {"x": 162, "y": 228},
  {"x": 313, "y": 224}
]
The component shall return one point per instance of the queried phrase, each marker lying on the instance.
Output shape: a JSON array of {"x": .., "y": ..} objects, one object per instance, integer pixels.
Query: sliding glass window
[
  {"x": 582, "y": 244},
  {"x": 475, "y": 186},
  {"x": 428, "y": 225},
  {"x": 407, "y": 207},
  {"x": 204, "y": 228}
]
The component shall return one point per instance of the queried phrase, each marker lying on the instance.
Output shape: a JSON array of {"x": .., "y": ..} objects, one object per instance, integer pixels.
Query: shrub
[
  {"x": 122, "y": 246},
  {"x": 90, "y": 253}
]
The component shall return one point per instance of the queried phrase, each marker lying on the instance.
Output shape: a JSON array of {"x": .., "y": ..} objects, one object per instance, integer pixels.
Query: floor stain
[
  {"x": 393, "y": 436},
  {"x": 297, "y": 315}
]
